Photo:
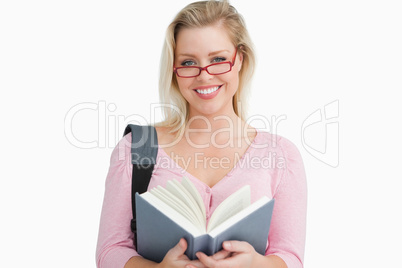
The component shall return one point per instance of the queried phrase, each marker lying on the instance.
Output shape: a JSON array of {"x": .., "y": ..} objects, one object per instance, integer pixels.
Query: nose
[{"x": 204, "y": 75}]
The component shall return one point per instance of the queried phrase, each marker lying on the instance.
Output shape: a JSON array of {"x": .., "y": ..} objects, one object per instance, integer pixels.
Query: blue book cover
[{"x": 160, "y": 227}]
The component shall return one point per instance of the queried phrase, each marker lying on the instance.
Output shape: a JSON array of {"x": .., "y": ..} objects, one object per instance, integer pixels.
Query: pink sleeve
[
  {"x": 115, "y": 239},
  {"x": 288, "y": 227}
]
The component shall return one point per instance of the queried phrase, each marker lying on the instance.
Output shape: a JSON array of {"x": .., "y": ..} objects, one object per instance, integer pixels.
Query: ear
[{"x": 240, "y": 58}]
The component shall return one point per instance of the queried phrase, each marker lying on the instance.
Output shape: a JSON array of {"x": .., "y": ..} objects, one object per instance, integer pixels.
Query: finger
[
  {"x": 207, "y": 261},
  {"x": 220, "y": 255},
  {"x": 237, "y": 246},
  {"x": 179, "y": 249},
  {"x": 196, "y": 264},
  {"x": 212, "y": 263}
]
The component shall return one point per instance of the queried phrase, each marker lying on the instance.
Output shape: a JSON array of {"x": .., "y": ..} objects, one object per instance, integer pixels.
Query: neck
[
  {"x": 215, "y": 129},
  {"x": 202, "y": 123}
]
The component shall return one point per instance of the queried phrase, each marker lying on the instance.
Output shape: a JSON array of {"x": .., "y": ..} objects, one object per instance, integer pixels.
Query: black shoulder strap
[{"x": 144, "y": 149}]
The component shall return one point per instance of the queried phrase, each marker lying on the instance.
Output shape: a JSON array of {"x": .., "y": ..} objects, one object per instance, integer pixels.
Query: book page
[
  {"x": 175, "y": 203},
  {"x": 235, "y": 203},
  {"x": 180, "y": 192},
  {"x": 239, "y": 216},
  {"x": 194, "y": 199},
  {"x": 195, "y": 194},
  {"x": 171, "y": 213}
]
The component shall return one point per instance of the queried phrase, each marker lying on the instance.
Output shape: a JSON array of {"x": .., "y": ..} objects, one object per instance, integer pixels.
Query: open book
[{"x": 164, "y": 215}]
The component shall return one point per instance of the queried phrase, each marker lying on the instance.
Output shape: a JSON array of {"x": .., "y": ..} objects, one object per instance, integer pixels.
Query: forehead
[{"x": 202, "y": 40}]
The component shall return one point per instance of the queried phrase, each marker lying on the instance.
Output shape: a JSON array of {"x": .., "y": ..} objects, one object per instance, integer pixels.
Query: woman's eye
[
  {"x": 219, "y": 59},
  {"x": 188, "y": 63}
]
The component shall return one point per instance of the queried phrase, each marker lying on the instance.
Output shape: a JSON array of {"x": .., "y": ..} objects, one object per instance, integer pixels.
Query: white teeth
[{"x": 207, "y": 91}]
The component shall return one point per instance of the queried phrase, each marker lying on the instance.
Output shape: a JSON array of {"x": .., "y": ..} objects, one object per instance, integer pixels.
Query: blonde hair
[{"x": 196, "y": 15}]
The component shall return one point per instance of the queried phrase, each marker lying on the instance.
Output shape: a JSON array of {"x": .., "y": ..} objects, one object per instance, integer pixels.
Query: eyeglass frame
[{"x": 232, "y": 63}]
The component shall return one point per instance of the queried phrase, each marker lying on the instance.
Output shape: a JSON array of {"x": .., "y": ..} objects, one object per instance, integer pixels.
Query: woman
[{"x": 206, "y": 66}]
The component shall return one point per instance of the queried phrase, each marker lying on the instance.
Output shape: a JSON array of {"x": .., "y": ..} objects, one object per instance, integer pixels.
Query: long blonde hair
[{"x": 196, "y": 15}]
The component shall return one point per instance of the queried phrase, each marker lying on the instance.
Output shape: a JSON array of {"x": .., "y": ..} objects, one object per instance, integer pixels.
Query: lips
[
  {"x": 208, "y": 92},
  {"x": 207, "y": 89}
]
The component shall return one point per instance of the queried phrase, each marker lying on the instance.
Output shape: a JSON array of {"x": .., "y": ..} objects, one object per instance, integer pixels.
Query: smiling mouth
[{"x": 208, "y": 90}]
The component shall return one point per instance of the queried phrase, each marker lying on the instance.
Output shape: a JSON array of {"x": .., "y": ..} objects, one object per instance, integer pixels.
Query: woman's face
[{"x": 202, "y": 47}]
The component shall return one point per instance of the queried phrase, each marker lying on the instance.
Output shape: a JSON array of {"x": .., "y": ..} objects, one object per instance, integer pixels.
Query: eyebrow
[{"x": 210, "y": 54}]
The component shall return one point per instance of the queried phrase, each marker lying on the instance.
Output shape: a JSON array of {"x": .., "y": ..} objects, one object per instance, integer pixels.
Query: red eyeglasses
[{"x": 212, "y": 69}]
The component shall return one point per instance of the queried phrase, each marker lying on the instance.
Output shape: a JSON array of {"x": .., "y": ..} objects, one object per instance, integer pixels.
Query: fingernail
[{"x": 227, "y": 245}]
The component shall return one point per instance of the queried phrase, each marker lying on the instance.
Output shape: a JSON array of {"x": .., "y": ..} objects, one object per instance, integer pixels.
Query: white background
[{"x": 55, "y": 55}]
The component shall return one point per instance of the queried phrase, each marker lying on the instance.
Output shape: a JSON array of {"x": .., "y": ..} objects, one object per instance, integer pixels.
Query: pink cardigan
[{"x": 272, "y": 166}]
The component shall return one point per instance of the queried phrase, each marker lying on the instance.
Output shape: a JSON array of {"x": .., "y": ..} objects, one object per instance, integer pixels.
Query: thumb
[
  {"x": 237, "y": 246},
  {"x": 179, "y": 249}
]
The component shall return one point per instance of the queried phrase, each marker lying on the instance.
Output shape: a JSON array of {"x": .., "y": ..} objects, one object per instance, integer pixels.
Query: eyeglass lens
[{"x": 213, "y": 69}]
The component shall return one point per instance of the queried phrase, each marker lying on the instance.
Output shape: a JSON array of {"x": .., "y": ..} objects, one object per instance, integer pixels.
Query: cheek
[
  {"x": 232, "y": 80},
  {"x": 184, "y": 84}
]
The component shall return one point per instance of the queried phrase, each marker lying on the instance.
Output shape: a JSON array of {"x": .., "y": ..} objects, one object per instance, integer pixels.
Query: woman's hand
[
  {"x": 176, "y": 258},
  {"x": 234, "y": 254}
]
